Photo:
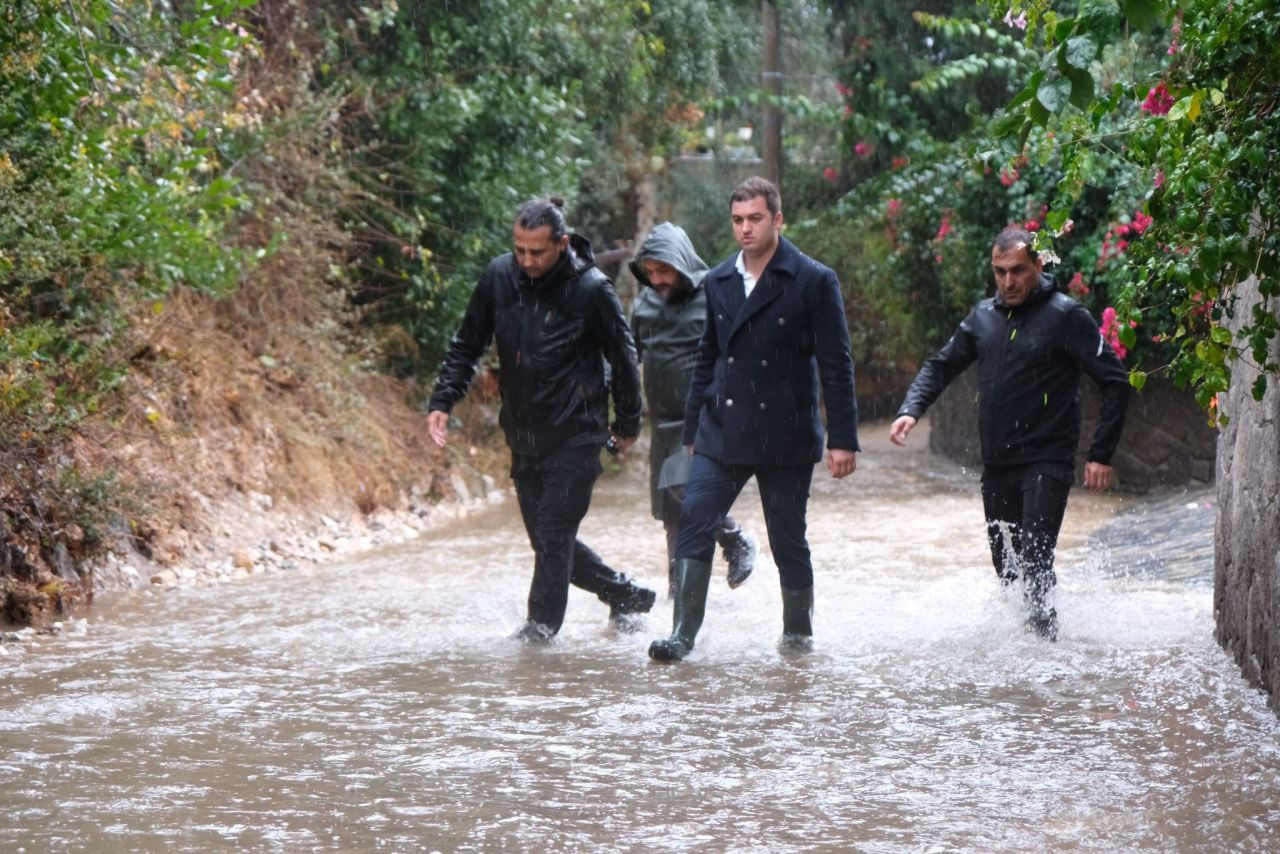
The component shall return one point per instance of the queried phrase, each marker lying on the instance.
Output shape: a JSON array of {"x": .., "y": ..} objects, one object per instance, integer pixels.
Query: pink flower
[
  {"x": 944, "y": 228},
  {"x": 1032, "y": 225},
  {"x": 1077, "y": 287},
  {"x": 863, "y": 149},
  {"x": 892, "y": 209},
  {"x": 1159, "y": 101},
  {"x": 1008, "y": 175},
  {"x": 848, "y": 111},
  {"x": 1141, "y": 222},
  {"x": 831, "y": 175},
  {"x": 1020, "y": 22},
  {"x": 899, "y": 162},
  {"x": 1158, "y": 180},
  {"x": 1111, "y": 331},
  {"x": 844, "y": 90}
]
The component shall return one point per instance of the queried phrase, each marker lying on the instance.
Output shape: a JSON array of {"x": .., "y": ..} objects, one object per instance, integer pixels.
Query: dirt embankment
[{"x": 252, "y": 432}]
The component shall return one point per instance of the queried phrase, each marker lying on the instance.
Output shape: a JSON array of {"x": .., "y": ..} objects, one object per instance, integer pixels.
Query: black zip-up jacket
[
  {"x": 554, "y": 336},
  {"x": 1030, "y": 358}
]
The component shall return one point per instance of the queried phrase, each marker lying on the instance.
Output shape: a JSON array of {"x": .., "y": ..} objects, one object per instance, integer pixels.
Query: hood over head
[{"x": 668, "y": 243}]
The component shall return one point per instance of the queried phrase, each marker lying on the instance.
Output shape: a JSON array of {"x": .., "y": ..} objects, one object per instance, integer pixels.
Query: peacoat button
[
  {"x": 729, "y": 402},
  {"x": 730, "y": 360},
  {"x": 764, "y": 363},
  {"x": 782, "y": 321},
  {"x": 762, "y": 406}
]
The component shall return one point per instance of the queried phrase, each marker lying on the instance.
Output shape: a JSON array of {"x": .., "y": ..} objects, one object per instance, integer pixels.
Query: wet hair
[
  {"x": 1014, "y": 238},
  {"x": 757, "y": 186},
  {"x": 536, "y": 213}
]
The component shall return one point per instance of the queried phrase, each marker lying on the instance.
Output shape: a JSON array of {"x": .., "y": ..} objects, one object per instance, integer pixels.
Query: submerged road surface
[{"x": 381, "y": 704}]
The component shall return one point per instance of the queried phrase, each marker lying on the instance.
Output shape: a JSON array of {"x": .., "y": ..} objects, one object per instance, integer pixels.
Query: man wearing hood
[
  {"x": 667, "y": 319},
  {"x": 556, "y": 320},
  {"x": 1031, "y": 344}
]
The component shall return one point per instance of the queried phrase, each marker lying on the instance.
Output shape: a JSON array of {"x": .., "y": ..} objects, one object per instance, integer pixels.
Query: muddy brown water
[{"x": 380, "y": 704}]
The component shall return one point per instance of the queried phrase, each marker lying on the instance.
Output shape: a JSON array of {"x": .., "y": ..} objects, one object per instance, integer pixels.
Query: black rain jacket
[
  {"x": 1030, "y": 358},
  {"x": 551, "y": 334}
]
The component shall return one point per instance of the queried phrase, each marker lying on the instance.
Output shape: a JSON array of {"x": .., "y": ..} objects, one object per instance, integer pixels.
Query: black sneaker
[
  {"x": 532, "y": 632},
  {"x": 740, "y": 555},
  {"x": 1045, "y": 624},
  {"x": 637, "y": 600}
]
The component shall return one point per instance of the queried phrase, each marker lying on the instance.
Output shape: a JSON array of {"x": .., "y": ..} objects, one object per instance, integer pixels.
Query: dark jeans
[
  {"x": 672, "y": 498},
  {"x": 1024, "y": 507},
  {"x": 554, "y": 492},
  {"x": 784, "y": 496}
]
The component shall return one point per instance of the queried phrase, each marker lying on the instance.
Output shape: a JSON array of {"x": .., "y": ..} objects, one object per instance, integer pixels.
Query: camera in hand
[{"x": 611, "y": 445}]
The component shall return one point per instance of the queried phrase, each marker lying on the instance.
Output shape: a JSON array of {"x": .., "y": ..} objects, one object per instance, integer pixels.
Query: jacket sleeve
[
  {"x": 620, "y": 352},
  {"x": 466, "y": 347},
  {"x": 636, "y": 328},
  {"x": 835, "y": 364},
  {"x": 937, "y": 373},
  {"x": 1094, "y": 355},
  {"x": 708, "y": 353}
]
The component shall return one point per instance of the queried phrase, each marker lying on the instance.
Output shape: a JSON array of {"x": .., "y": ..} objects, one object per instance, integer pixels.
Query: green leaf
[
  {"x": 1081, "y": 88},
  {"x": 1008, "y": 124},
  {"x": 1100, "y": 18},
  {"x": 1141, "y": 14},
  {"x": 1259, "y": 389},
  {"x": 1138, "y": 379},
  {"x": 1054, "y": 94},
  {"x": 1080, "y": 52}
]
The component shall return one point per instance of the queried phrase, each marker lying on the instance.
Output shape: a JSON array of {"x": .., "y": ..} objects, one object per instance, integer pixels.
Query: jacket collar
[{"x": 786, "y": 259}]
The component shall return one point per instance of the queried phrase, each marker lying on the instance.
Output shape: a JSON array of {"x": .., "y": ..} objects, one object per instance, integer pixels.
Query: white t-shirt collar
[{"x": 748, "y": 280}]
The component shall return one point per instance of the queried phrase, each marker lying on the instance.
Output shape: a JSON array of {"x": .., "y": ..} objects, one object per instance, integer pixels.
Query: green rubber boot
[
  {"x": 692, "y": 578},
  {"x": 797, "y": 619}
]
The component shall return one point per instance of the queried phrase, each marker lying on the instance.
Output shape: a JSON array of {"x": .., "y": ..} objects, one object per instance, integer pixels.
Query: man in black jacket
[
  {"x": 1031, "y": 343},
  {"x": 667, "y": 319},
  {"x": 775, "y": 336},
  {"x": 556, "y": 320}
]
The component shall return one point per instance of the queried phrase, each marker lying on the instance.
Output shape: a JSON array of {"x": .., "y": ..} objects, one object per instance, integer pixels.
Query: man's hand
[
  {"x": 437, "y": 425},
  {"x": 898, "y": 432},
  {"x": 841, "y": 462},
  {"x": 1097, "y": 476},
  {"x": 623, "y": 443}
]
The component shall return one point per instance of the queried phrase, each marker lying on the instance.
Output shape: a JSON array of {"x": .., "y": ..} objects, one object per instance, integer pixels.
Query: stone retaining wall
[
  {"x": 1246, "y": 598},
  {"x": 1166, "y": 439}
]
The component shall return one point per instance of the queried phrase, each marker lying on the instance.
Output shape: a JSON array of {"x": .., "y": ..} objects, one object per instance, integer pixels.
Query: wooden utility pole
[{"x": 771, "y": 84}]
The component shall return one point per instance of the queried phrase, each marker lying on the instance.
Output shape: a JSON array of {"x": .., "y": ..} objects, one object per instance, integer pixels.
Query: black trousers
[
  {"x": 554, "y": 492},
  {"x": 1024, "y": 507},
  {"x": 784, "y": 496},
  {"x": 672, "y": 498}
]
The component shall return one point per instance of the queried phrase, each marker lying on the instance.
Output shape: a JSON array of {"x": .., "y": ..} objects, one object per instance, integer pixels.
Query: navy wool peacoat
[{"x": 762, "y": 360}]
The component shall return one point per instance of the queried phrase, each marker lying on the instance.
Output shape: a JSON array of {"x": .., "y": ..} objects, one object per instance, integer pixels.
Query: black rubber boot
[
  {"x": 692, "y": 579},
  {"x": 797, "y": 619},
  {"x": 739, "y": 551},
  {"x": 671, "y": 578}
]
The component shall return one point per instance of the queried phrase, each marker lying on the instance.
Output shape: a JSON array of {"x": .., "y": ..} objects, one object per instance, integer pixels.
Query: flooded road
[{"x": 380, "y": 704}]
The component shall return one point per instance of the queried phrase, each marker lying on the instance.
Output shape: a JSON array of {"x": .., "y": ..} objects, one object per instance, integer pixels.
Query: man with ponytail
[{"x": 556, "y": 320}]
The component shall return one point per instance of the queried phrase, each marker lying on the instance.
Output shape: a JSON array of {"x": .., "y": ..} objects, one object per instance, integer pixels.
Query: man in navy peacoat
[{"x": 775, "y": 342}]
